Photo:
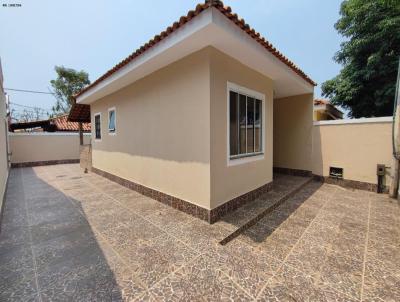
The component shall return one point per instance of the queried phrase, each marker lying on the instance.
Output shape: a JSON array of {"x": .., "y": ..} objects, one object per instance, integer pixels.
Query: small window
[
  {"x": 245, "y": 125},
  {"x": 97, "y": 126},
  {"x": 111, "y": 120},
  {"x": 335, "y": 172}
]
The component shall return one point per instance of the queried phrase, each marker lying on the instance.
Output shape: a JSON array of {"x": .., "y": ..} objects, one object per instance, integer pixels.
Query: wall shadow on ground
[
  {"x": 280, "y": 217},
  {"x": 44, "y": 227}
]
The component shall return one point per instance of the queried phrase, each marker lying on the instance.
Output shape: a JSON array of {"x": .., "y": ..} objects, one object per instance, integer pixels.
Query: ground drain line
[{"x": 264, "y": 213}]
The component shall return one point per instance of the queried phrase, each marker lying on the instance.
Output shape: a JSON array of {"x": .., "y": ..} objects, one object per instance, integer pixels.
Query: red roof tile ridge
[
  {"x": 321, "y": 101},
  {"x": 226, "y": 11}
]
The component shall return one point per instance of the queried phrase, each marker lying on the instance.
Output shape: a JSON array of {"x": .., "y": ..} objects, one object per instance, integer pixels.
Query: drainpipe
[{"x": 394, "y": 185}]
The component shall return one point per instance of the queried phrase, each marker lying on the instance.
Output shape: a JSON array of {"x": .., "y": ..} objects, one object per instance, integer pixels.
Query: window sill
[{"x": 245, "y": 158}]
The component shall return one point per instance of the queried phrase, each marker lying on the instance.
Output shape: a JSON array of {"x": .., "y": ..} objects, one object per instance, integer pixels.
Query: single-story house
[
  {"x": 325, "y": 111},
  {"x": 57, "y": 124},
  {"x": 199, "y": 117}
]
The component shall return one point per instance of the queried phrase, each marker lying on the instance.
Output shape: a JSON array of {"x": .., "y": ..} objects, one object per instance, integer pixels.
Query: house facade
[
  {"x": 325, "y": 111},
  {"x": 200, "y": 116}
]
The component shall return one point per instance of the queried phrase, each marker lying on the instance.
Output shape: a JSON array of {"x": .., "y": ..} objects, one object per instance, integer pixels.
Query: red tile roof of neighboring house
[
  {"x": 321, "y": 102},
  {"x": 332, "y": 110},
  {"x": 62, "y": 124},
  {"x": 79, "y": 113},
  {"x": 226, "y": 11},
  {"x": 59, "y": 123}
]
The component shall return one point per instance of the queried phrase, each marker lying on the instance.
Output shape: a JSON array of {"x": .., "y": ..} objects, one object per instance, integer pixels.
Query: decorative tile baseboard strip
[
  {"x": 253, "y": 220},
  {"x": 210, "y": 216},
  {"x": 3, "y": 199},
  {"x": 353, "y": 184},
  {"x": 45, "y": 163},
  {"x": 294, "y": 172},
  {"x": 237, "y": 202}
]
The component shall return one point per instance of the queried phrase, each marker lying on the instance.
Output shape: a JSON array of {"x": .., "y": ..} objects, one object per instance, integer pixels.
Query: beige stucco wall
[
  {"x": 163, "y": 130},
  {"x": 3, "y": 146},
  {"x": 357, "y": 148},
  {"x": 228, "y": 182},
  {"x": 293, "y": 128},
  {"x": 44, "y": 146}
]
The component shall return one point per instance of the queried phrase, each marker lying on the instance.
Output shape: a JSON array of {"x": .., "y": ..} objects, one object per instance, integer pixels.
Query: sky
[{"x": 94, "y": 35}]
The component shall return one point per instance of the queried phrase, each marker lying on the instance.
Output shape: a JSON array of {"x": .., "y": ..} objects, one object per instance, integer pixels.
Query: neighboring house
[
  {"x": 324, "y": 110},
  {"x": 200, "y": 116},
  {"x": 57, "y": 124}
]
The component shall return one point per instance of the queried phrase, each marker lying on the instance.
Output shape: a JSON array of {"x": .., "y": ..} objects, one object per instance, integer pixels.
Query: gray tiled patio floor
[{"x": 69, "y": 236}]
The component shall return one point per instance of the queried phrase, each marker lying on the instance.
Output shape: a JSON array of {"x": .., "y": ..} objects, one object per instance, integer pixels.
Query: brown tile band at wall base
[
  {"x": 352, "y": 184},
  {"x": 294, "y": 172},
  {"x": 164, "y": 198},
  {"x": 237, "y": 202},
  {"x": 3, "y": 199},
  {"x": 45, "y": 163},
  {"x": 210, "y": 216}
]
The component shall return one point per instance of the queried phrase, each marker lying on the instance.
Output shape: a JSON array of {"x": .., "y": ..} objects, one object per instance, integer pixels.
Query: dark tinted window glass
[
  {"x": 242, "y": 124},
  {"x": 97, "y": 126},
  {"x": 250, "y": 125},
  {"x": 257, "y": 126},
  {"x": 233, "y": 123}
]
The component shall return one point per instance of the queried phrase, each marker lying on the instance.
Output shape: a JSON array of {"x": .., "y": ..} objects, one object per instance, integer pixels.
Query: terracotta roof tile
[
  {"x": 59, "y": 123},
  {"x": 226, "y": 11},
  {"x": 62, "y": 124},
  {"x": 321, "y": 102},
  {"x": 79, "y": 113}
]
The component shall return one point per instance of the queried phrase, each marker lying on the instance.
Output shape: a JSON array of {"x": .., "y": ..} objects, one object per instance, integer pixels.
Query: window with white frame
[
  {"x": 245, "y": 124},
  {"x": 111, "y": 120},
  {"x": 97, "y": 126}
]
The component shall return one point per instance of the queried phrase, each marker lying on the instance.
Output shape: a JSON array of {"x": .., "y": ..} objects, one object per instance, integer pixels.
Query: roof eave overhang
[{"x": 209, "y": 28}]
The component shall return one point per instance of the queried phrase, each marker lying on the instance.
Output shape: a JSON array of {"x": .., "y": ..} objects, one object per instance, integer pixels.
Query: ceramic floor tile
[
  {"x": 250, "y": 271},
  {"x": 197, "y": 281},
  {"x": 308, "y": 257},
  {"x": 349, "y": 247},
  {"x": 292, "y": 285},
  {"x": 381, "y": 283},
  {"x": 64, "y": 247},
  {"x": 342, "y": 274},
  {"x": 155, "y": 259},
  {"x": 96, "y": 240}
]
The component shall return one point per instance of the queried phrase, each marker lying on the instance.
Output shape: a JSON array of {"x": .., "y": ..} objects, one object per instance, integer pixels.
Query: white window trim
[
  {"x": 94, "y": 128},
  {"x": 250, "y": 157},
  {"x": 115, "y": 121}
]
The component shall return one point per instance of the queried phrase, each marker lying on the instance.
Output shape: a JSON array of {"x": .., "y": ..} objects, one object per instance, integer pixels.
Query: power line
[
  {"x": 25, "y": 106},
  {"x": 28, "y": 91}
]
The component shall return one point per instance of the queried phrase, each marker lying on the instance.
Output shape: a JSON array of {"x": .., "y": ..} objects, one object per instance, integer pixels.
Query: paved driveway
[{"x": 69, "y": 236}]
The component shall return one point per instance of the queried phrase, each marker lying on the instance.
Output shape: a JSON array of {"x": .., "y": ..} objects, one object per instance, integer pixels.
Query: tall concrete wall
[
  {"x": 45, "y": 147},
  {"x": 357, "y": 146}
]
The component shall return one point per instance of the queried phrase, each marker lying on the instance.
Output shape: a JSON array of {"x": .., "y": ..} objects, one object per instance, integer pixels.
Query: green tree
[
  {"x": 67, "y": 83},
  {"x": 366, "y": 84}
]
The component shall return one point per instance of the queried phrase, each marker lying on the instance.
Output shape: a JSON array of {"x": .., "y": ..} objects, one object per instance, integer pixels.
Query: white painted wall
[
  {"x": 34, "y": 147},
  {"x": 356, "y": 145}
]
